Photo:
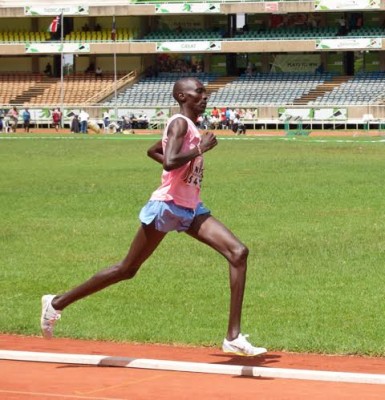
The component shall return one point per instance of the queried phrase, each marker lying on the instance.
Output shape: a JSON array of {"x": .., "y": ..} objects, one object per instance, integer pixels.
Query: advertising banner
[
  {"x": 348, "y": 43},
  {"x": 187, "y": 8},
  {"x": 188, "y": 46},
  {"x": 295, "y": 114},
  {"x": 52, "y": 47},
  {"x": 327, "y": 5},
  {"x": 296, "y": 62},
  {"x": 331, "y": 114},
  {"x": 314, "y": 114},
  {"x": 56, "y": 10}
]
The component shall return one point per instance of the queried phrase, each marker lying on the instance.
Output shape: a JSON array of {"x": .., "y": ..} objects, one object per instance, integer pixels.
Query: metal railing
[{"x": 106, "y": 92}]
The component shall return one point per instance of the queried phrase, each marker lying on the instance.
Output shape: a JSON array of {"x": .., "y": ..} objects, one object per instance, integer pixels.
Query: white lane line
[{"x": 168, "y": 365}]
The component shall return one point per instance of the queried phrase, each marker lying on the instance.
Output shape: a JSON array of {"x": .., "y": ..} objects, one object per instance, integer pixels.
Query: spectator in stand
[
  {"x": 56, "y": 118},
  {"x": 75, "y": 124},
  {"x": 4, "y": 121},
  {"x": 215, "y": 113},
  {"x": 106, "y": 121},
  {"x": 238, "y": 127},
  {"x": 48, "y": 69},
  {"x": 13, "y": 115},
  {"x": 228, "y": 115},
  {"x": 83, "y": 118},
  {"x": 98, "y": 72},
  {"x": 203, "y": 122},
  {"x": 26, "y": 119},
  {"x": 223, "y": 118},
  {"x": 128, "y": 122},
  {"x": 231, "y": 117},
  {"x": 342, "y": 26},
  {"x": 215, "y": 118},
  {"x": 142, "y": 121}
]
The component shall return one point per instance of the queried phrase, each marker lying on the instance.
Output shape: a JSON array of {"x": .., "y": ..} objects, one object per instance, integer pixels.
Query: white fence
[{"x": 274, "y": 117}]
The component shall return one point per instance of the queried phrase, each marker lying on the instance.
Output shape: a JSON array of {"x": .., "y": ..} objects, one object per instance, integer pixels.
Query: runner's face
[{"x": 196, "y": 96}]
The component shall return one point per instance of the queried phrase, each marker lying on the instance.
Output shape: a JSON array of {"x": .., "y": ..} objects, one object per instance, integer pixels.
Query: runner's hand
[{"x": 209, "y": 140}]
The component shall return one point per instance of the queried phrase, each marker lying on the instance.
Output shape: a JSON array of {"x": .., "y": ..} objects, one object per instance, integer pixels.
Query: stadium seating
[
  {"x": 37, "y": 89},
  {"x": 266, "y": 89},
  {"x": 289, "y": 33},
  {"x": 101, "y": 36},
  {"x": 367, "y": 32},
  {"x": 257, "y": 90},
  {"x": 20, "y": 36},
  {"x": 363, "y": 88},
  {"x": 155, "y": 91},
  {"x": 187, "y": 34},
  {"x": 13, "y": 85}
]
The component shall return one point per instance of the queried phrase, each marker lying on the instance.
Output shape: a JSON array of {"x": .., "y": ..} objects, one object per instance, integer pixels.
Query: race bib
[{"x": 194, "y": 175}]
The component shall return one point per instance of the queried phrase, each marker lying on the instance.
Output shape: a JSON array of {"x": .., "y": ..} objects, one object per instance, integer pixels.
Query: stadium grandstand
[{"x": 320, "y": 62}]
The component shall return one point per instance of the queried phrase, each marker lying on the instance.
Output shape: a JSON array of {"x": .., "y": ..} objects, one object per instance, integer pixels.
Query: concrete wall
[
  {"x": 149, "y": 9},
  {"x": 260, "y": 46}
]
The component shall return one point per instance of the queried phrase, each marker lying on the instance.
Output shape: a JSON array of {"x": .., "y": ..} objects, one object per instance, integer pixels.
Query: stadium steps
[
  {"x": 321, "y": 89},
  {"x": 219, "y": 83},
  {"x": 109, "y": 90},
  {"x": 37, "y": 90}
]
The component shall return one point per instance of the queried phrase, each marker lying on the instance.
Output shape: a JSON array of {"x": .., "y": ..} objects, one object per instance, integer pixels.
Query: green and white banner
[
  {"x": 295, "y": 114},
  {"x": 338, "y": 44},
  {"x": 151, "y": 113},
  {"x": 187, "y": 8},
  {"x": 296, "y": 62},
  {"x": 56, "y": 10},
  {"x": 327, "y": 5},
  {"x": 45, "y": 114},
  {"x": 330, "y": 114},
  {"x": 187, "y": 46},
  {"x": 47, "y": 48},
  {"x": 317, "y": 114}
]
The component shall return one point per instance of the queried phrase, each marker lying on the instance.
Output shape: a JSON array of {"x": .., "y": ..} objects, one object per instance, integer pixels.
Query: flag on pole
[
  {"x": 113, "y": 30},
  {"x": 272, "y": 6},
  {"x": 54, "y": 26}
]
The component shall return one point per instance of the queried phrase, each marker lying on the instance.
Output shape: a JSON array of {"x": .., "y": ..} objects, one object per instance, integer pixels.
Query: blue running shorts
[{"x": 170, "y": 217}]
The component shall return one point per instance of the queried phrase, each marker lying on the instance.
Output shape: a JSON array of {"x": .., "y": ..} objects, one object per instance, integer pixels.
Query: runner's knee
[
  {"x": 123, "y": 271},
  {"x": 239, "y": 254}
]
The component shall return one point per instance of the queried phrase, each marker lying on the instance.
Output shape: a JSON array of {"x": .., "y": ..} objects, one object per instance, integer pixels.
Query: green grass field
[{"x": 311, "y": 211}]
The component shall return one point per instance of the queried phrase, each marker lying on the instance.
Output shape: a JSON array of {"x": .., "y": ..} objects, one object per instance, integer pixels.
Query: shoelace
[
  {"x": 55, "y": 317},
  {"x": 246, "y": 345}
]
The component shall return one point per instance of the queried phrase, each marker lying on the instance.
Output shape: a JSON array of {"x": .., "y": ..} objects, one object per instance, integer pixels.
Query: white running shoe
[
  {"x": 242, "y": 347},
  {"x": 48, "y": 316}
]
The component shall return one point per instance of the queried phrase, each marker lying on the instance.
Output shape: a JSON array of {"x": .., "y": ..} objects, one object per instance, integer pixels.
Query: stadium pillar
[
  {"x": 231, "y": 59},
  {"x": 56, "y": 65},
  {"x": 231, "y": 64},
  {"x": 265, "y": 62},
  {"x": 349, "y": 63},
  {"x": 231, "y": 25},
  {"x": 35, "y": 64},
  {"x": 382, "y": 60}
]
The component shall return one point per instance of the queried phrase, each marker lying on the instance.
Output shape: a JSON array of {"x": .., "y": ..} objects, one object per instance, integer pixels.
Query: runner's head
[{"x": 190, "y": 94}]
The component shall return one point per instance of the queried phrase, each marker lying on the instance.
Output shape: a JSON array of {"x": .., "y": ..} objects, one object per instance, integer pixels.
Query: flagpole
[
  {"x": 61, "y": 63},
  {"x": 115, "y": 77}
]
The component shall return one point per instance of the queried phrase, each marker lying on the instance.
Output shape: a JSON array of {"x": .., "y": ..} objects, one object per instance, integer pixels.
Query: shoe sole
[
  {"x": 238, "y": 353},
  {"x": 44, "y": 305}
]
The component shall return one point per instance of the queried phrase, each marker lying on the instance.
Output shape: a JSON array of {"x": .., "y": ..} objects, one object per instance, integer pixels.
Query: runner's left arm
[{"x": 156, "y": 152}]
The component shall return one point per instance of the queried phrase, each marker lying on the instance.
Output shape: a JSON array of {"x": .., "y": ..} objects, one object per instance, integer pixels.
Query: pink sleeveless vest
[{"x": 182, "y": 185}]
